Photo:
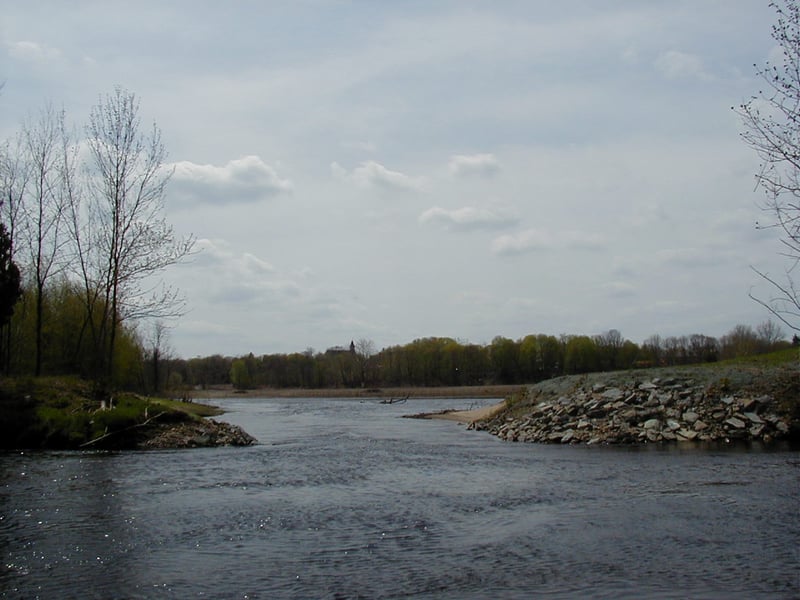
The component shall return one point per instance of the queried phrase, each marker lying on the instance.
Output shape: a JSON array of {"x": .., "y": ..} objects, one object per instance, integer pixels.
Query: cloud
[
  {"x": 679, "y": 65},
  {"x": 467, "y": 218},
  {"x": 240, "y": 277},
  {"x": 220, "y": 254},
  {"x": 32, "y": 51},
  {"x": 373, "y": 174},
  {"x": 533, "y": 240},
  {"x": 475, "y": 164},
  {"x": 243, "y": 180}
]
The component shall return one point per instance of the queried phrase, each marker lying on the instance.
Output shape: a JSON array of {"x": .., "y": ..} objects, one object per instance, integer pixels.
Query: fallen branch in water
[{"x": 394, "y": 400}]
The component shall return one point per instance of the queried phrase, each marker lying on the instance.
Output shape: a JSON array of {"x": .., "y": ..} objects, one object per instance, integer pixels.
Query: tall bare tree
[
  {"x": 130, "y": 242},
  {"x": 44, "y": 207},
  {"x": 771, "y": 121}
]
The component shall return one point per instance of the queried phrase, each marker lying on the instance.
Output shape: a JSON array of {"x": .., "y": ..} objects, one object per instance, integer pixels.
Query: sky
[{"x": 389, "y": 171}]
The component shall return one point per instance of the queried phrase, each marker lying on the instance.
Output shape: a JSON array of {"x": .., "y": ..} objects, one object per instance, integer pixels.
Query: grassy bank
[{"x": 68, "y": 413}]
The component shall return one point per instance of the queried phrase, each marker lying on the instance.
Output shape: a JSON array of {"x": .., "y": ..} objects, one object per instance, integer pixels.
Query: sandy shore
[{"x": 462, "y": 416}]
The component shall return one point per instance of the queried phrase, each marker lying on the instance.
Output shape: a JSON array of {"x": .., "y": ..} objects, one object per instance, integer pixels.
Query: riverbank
[
  {"x": 476, "y": 391},
  {"x": 705, "y": 403},
  {"x": 70, "y": 414}
]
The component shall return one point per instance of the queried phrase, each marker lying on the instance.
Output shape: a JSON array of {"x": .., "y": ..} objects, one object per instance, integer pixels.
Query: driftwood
[
  {"x": 394, "y": 400},
  {"x": 109, "y": 434}
]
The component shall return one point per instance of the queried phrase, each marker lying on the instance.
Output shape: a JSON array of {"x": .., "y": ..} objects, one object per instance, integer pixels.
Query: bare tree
[
  {"x": 158, "y": 350},
  {"x": 14, "y": 175},
  {"x": 769, "y": 334},
  {"x": 772, "y": 128},
  {"x": 44, "y": 207},
  {"x": 364, "y": 350},
  {"x": 130, "y": 243}
]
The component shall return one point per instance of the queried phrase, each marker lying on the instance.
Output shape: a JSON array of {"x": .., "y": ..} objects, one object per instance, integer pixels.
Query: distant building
[{"x": 342, "y": 349}]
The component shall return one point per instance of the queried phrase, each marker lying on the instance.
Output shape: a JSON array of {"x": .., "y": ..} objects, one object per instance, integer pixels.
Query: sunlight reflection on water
[{"x": 344, "y": 499}]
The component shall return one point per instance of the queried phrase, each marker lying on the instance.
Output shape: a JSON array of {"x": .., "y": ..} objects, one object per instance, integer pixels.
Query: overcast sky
[{"x": 396, "y": 170}]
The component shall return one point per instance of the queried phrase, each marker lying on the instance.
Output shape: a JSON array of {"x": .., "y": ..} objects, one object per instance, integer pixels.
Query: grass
[
  {"x": 65, "y": 412},
  {"x": 771, "y": 359}
]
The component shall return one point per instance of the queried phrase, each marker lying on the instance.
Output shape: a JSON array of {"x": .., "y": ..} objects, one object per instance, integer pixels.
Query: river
[{"x": 345, "y": 499}]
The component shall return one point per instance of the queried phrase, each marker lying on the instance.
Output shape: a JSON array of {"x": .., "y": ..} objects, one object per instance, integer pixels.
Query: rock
[
  {"x": 690, "y": 417},
  {"x": 735, "y": 423},
  {"x": 193, "y": 434},
  {"x": 613, "y": 394},
  {"x": 753, "y": 417},
  {"x": 655, "y": 411}
]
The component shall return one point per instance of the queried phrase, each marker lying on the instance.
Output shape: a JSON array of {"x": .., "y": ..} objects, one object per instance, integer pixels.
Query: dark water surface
[{"x": 343, "y": 499}]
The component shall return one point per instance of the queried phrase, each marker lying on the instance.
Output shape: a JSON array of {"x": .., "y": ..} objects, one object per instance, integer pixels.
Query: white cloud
[
  {"x": 468, "y": 217},
  {"x": 445, "y": 129},
  {"x": 474, "y": 164},
  {"x": 373, "y": 174},
  {"x": 235, "y": 277},
  {"x": 32, "y": 51},
  {"x": 247, "y": 179},
  {"x": 533, "y": 240},
  {"x": 217, "y": 253},
  {"x": 678, "y": 65}
]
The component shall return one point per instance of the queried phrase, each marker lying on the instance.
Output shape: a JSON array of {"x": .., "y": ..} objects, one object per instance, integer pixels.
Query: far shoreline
[{"x": 498, "y": 392}]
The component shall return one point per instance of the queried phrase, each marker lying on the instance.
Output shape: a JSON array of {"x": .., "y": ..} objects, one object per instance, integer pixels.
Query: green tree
[
  {"x": 581, "y": 355},
  {"x": 550, "y": 356},
  {"x": 240, "y": 375},
  {"x": 504, "y": 354}
]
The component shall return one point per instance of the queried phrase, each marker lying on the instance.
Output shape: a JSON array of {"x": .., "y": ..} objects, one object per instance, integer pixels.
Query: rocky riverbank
[
  {"x": 702, "y": 404},
  {"x": 193, "y": 434}
]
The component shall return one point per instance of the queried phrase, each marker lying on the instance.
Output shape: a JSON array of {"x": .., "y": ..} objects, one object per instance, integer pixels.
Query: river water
[{"x": 344, "y": 499}]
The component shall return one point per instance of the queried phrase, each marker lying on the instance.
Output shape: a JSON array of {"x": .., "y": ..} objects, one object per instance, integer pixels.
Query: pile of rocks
[
  {"x": 656, "y": 410},
  {"x": 193, "y": 434}
]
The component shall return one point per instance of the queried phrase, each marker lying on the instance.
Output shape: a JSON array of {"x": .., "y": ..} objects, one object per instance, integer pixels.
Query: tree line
[
  {"x": 83, "y": 229},
  {"x": 437, "y": 361}
]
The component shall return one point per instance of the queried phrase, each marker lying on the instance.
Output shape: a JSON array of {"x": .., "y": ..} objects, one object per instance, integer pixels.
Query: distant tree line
[{"x": 437, "y": 361}]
